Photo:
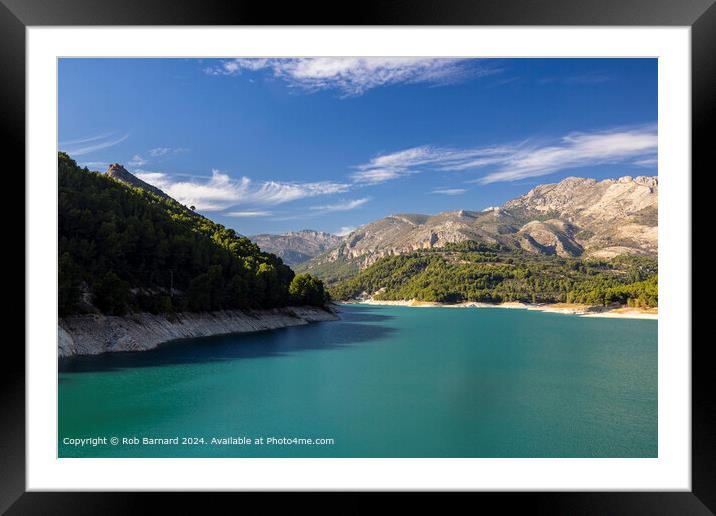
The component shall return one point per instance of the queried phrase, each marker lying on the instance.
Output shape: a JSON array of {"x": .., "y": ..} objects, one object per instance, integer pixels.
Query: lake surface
[{"x": 384, "y": 381}]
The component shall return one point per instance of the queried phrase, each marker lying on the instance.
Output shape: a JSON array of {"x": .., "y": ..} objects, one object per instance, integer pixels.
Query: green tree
[
  {"x": 69, "y": 278},
  {"x": 111, "y": 294},
  {"x": 307, "y": 290}
]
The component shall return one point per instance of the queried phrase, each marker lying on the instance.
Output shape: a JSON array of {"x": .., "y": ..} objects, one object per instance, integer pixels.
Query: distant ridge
[{"x": 297, "y": 247}]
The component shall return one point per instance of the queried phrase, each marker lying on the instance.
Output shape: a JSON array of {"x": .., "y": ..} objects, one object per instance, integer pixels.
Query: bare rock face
[
  {"x": 608, "y": 217},
  {"x": 121, "y": 174},
  {"x": 579, "y": 199},
  {"x": 550, "y": 237},
  {"x": 577, "y": 216}
]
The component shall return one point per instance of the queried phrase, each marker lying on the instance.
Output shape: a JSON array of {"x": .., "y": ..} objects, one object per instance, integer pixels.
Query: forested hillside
[
  {"x": 123, "y": 249},
  {"x": 483, "y": 272}
]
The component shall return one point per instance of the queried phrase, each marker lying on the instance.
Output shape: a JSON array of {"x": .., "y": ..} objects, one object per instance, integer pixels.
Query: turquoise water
[{"x": 382, "y": 382}]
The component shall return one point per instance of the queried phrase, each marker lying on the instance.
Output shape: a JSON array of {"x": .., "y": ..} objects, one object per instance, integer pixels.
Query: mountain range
[
  {"x": 297, "y": 247},
  {"x": 575, "y": 217}
]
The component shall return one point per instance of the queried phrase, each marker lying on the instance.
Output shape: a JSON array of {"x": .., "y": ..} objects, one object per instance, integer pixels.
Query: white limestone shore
[{"x": 95, "y": 334}]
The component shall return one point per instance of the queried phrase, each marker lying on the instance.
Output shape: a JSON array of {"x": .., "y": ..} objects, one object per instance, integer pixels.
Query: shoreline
[
  {"x": 621, "y": 312},
  {"x": 95, "y": 334}
]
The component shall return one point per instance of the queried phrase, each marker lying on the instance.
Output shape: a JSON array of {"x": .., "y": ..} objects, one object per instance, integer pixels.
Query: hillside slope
[
  {"x": 124, "y": 248},
  {"x": 473, "y": 271}
]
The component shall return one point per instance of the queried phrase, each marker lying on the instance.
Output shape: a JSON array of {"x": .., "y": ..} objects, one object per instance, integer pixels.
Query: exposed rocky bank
[{"x": 95, "y": 334}]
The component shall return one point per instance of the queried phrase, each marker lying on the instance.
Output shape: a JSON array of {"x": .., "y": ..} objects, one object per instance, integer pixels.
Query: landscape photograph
[{"x": 355, "y": 257}]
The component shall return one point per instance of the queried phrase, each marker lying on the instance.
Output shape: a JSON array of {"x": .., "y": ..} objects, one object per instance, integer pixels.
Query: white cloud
[
  {"x": 274, "y": 192},
  {"x": 449, "y": 191},
  {"x": 378, "y": 175},
  {"x": 341, "y": 206},
  {"x": 386, "y": 167},
  {"x": 577, "y": 150},
  {"x": 345, "y": 230},
  {"x": 159, "y": 151},
  {"x": 220, "y": 191},
  {"x": 137, "y": 161},
  {"x": 257, "y": 213},
  {"x": 153, "y": 178},
  {"x": 521, "y": 160},
  {"x": 87, "y": 145},
  {"x": 646, "y": 162},
  {"x": 355, "y": 75}
]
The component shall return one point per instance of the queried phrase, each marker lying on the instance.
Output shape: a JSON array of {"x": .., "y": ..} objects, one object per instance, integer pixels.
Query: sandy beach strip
[{"x": 561, "y": 308}]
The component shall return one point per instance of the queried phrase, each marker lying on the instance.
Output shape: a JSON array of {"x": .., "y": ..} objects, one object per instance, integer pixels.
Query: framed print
[{"x": 421, "y": 250}]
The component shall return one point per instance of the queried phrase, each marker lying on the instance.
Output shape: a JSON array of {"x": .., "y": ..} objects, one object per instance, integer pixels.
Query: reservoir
[{"x": 384, "y": 381}]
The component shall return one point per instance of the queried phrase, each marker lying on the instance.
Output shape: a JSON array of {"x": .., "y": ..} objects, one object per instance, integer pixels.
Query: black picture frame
[{"x": 17, "y": 15}]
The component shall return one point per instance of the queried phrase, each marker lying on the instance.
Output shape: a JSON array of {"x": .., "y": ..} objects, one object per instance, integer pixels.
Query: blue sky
[{"x": 272, "y": 145}]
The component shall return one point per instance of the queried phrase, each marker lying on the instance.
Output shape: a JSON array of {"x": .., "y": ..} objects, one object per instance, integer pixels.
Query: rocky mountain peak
[{"x": 117, "y": 172}]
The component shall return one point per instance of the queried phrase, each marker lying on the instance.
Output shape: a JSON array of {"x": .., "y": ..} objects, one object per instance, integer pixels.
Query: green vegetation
[
  {"x": 330, "y": 271},
  {"x": 124, "y": 249},
  {"x": 482, "y": 272},
  {"x": 307, "y": 290}
]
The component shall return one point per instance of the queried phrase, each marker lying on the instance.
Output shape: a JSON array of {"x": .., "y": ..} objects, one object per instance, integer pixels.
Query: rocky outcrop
[
  {"x": 119, "y": 173},
  {"x": 550, "y": 237},
  {"x": 587, "y": 200},
  {"x": 95, "y": 334},
  {"x": 608, "y": 218}
]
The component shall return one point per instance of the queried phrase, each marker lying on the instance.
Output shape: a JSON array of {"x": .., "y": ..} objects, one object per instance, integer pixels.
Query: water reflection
[{"x": 354, "y": 328}]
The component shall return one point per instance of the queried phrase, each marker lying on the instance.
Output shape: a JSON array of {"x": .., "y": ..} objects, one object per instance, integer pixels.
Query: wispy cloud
[
  {"x": 577, "y": 150},
  {"x": 136, "y": 161},
  {"x": 274, "y": 192},
  {"x": 647, "y": 162},
  {"x": 345, "y": 230},
  {"x": 373, "y": 176},
  {"x": 449, "y": 191},
  {"x": 341, "y": 206},
  {"x": 87, "y": 139},
  {"x": 221, "y": 192},
  {"x": 158, "y": 152},
  {"x": 84, "y": 146},
  {"x": 94, "y": 164},
  {"x": 511, "y": 162},
  {"x": 356, "y": 75},
  {"x": 410, "y": 161},
  {"x": 248, "y": 214}
]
